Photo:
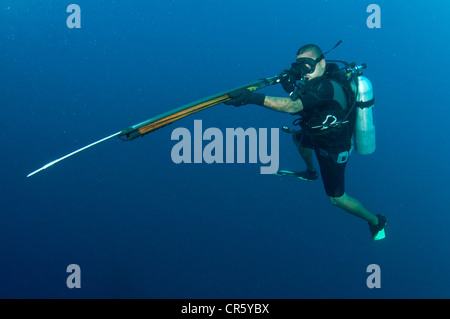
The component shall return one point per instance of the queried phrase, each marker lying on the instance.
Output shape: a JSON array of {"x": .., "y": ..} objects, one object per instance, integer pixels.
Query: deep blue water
[{"x": 140, "y": 226}]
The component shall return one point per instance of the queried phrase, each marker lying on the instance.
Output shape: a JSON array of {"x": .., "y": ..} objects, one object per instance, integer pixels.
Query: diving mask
[{"x": 304, "y": 66}]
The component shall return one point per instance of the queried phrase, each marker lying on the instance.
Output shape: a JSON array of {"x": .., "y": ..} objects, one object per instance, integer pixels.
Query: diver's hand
[
  {"x": 244, "y": 96},
  {"x": 288, "y": 81}
]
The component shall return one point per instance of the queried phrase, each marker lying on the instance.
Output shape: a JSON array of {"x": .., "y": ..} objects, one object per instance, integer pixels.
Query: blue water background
[{"x": 140, "y": 226}]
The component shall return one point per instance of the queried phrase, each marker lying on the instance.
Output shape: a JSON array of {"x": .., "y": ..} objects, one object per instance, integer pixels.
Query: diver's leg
[
  {"x": 305, "y": 152},
  {"x": 333, "y": 177},
  {"x": 307, "y": 155},
  {"x": 354, "y": 207}
]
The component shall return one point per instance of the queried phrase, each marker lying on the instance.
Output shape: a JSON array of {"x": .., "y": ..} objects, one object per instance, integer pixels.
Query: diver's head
[{"x": 310, "y": 62}]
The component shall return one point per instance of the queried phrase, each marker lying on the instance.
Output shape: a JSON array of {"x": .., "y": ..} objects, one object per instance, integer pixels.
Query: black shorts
[{"x": 332, "y": 167}]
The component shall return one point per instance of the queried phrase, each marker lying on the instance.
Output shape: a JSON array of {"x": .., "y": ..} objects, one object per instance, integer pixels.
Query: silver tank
[{"x": 365, "y": 118}]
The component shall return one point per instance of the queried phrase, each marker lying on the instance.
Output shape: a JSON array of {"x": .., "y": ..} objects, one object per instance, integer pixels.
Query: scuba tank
[
  {"x": 363, "y": 101},
  {"x": 364, "y": 134}
]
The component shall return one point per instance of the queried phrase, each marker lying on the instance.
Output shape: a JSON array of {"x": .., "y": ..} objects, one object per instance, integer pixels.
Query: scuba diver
[{"x": 322, "y": 96}]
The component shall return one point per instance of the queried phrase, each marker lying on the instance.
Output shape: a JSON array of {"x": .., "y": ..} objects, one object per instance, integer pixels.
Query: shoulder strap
[{"x": 337, "y": 75}]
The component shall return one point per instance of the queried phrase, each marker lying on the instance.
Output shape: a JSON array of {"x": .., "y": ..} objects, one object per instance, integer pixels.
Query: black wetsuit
[{"x": 325, "y": 100}]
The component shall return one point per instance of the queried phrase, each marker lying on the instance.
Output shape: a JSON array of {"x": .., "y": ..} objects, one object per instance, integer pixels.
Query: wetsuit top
[{"x": 325, "y": 101}]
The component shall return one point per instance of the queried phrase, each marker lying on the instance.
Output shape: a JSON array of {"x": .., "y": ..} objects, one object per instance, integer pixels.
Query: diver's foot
[
  {"x": 305, "y": 175},
  {"x": 308, "y": 175},
  {"x": 377, "y": 231}
]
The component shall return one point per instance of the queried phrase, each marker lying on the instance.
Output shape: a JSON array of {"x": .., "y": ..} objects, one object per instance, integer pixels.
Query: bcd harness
[{"x": 322, "y": 122}]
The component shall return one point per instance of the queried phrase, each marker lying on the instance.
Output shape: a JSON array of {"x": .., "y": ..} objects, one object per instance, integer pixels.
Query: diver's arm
[
  {"x": 283, "y": 104},
  {"x": 280, "y": 104}
]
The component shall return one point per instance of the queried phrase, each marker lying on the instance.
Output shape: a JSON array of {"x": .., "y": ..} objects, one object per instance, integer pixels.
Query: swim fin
[
  {"x": 377, "y": 231},
  {"x": 305, "y": 175},
  {"x": 380, "y": 235}
]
